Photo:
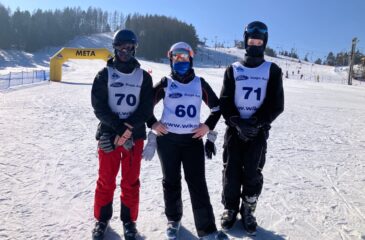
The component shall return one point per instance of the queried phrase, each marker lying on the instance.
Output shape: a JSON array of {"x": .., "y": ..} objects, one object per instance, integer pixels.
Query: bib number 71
[{"x": 249, "y": 90}]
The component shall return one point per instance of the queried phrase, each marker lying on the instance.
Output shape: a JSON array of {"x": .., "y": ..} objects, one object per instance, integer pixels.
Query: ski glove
[
  {"x": 209, "y": 146},
  {"x": 150, "y": 148},
  {"x": 106, "y": 142},
  {"x": 128, "y": 145},
  {"x": 246, "y": 128}
]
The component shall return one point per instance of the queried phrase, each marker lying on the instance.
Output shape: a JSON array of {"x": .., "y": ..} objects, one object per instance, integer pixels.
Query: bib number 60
[{"x": 182, "y": 111}]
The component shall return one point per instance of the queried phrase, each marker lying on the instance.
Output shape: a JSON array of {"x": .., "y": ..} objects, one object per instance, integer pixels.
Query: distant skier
[
  {"x": 251, "y": 98},
  {"x": 179, "y": 141},
  {"x": 122, "y": 99}
]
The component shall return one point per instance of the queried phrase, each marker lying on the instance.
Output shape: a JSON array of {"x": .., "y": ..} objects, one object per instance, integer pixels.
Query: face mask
[
  {"x": 181, "y": 67},
  {"x": 255, "y": 51}
]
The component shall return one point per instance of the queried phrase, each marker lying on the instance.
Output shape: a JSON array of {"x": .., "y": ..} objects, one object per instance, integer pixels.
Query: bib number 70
[
  {"x": 130, "y": 99},
  {"x": 182, "y": 111}
]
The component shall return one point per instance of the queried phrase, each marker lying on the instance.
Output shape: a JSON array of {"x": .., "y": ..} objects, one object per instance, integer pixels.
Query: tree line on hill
[
  {"x": 32, "y": 31},
  {"x": 157, "y": 33},
  {"x": 27, "y": 31}
]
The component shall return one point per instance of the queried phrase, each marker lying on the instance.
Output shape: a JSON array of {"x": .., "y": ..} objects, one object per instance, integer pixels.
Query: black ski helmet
[
  {"x": 257, "y": 30},
  {"x": 124, "y": 36}
]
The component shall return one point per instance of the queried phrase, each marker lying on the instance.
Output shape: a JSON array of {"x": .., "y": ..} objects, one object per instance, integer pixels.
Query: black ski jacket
[
  {"x": 273, "y": 104},
  {"x": 109, "y": 121}
]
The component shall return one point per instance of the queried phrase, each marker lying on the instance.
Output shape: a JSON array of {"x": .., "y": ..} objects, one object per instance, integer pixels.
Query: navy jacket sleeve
[
  {"x": 226, "y": 100},
  {"x": 212, "y": 101},
  {"x": 99, "y": 101},
  {"x": 158, "y": 94},
  {"x": 273, "y": 104}
]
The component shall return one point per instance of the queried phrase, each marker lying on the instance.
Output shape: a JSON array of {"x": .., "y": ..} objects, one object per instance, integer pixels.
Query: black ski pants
[
  {"x": 175, "y": 150},
  {"x": 242, "y": 166}
]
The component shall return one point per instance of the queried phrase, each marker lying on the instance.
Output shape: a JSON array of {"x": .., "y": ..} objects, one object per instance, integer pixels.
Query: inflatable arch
[{"x": 74, "y": 53}]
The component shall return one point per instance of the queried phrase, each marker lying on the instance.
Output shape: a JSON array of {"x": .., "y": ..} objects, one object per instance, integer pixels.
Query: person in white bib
[
  {"x": 122, "y": 99},
  {"x": 251, "y": 98},
  {"x": 179, "y": 141}
]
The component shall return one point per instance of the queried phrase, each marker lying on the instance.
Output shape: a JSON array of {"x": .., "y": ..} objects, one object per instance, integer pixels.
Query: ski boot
[
  {"x": 99, "y": 230},
  {"x": 228, "y": 219},
  {"x": 130, "y": 231},
  {"x": 217, "y": 235},
  {"x": 248, "y": 219},
  {"x": 172, "y": 230}
]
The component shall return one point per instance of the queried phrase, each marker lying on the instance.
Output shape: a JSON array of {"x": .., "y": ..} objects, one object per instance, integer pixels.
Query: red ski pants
[{"x": 109, "y": 164}]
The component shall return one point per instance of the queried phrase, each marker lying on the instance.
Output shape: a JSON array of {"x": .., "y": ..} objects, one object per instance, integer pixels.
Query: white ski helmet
[{"x": 181, "y": 45}]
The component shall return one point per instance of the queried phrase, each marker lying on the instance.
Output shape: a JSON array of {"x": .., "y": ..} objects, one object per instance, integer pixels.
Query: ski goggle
[
  {"x": 256, "y": 29},
  {"x": 180, "y": 55},
  {"x": 126, "y": 46}
]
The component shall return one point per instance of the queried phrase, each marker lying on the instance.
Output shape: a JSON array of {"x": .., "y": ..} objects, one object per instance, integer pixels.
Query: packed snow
[{"x": 314, "y": 174}]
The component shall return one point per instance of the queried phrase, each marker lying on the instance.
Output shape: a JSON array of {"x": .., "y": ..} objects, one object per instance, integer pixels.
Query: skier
[
  {"x": 251, "y": 98},
  {"x": 122, "y": 98},
  {"x": 179, "y": 141}
]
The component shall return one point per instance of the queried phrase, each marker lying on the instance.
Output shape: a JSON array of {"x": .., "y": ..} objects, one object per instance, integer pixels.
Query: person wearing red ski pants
[{"x": 109, "y": 164}]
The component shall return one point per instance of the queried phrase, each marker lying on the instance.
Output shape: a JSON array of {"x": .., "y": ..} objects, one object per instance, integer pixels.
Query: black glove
[
  {"x": 209, "y": 146},
  {"x": 106, "y": 142},
  {"x": 210, "y": 149},
  {"x": 246, "y": 128},
  {"x": 128, "y": 145}
]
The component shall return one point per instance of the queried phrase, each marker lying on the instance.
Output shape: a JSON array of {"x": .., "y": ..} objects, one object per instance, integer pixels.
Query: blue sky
[{"x": 310, "y": 26}]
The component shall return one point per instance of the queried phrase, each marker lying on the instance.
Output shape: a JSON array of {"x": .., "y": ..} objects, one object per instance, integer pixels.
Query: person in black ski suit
[
  {"x": 179, "y": 141},
  {"x": 251, "y": 98},
  {"x": 122, "y": 99}
]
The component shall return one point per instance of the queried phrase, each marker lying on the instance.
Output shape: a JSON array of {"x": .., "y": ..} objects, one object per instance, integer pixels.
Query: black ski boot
[
  {"x": 99, "y": 230},
  {"x": 248, "y": 219},
  {"x": 217, "y": 235},
  {"x": 130, "y": 231},
  {"x": 172, "y": 230},
  {"x": 228, "y": 219}
]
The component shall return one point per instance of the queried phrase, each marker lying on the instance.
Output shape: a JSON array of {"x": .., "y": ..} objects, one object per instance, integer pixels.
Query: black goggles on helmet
[
  {"x": 126, "y": 46},
  {"x": 256, "y": 29}
]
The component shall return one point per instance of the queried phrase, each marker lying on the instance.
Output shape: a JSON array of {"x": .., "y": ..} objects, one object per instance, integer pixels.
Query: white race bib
[
  {"x": 251, "y": 84},
  {"x": 182, "y": 102},
  {"x": 124, "y": 90}
]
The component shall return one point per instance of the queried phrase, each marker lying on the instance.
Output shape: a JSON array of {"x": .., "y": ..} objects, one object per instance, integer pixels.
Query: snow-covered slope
[
  {"x": 314, "y": 174},
  {"x": 14, "y": 60}
]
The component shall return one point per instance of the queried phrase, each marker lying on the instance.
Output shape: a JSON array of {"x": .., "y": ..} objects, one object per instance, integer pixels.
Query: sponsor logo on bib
[
  {"x": 117, "y": 84},
  {"x": 241, "y": 78},
  {"x": 175, "y": 95},
  {"x": 115, "y": 76},
  {"x": 173, "y": 86}
]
